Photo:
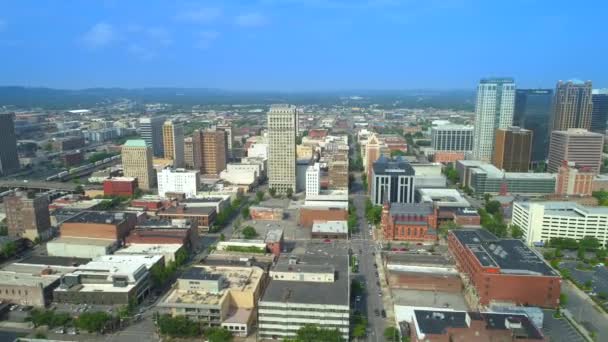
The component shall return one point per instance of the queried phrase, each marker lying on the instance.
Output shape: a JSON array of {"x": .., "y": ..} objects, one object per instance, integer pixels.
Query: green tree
[
  {"x": 492, "y": 207},
  {"x": 93, "y": 321},
  {"x": 9, "y": 249},
  {"x": 259, "y": 196},
  {"x": 516, "y": 232},
  {"x": 446, "y": 226},
  {"x": 397, "y": 153},
  {"x": 314, "y": 333},
  {"x": 218, "y": 335},
  {"x": 391, "y": 334},
  {"x": 580, "y": 253},
  {"x": 272, "y": 192},
  {"x": 590, "y": 243},
  {"x": 364, "y": 181},
  {"x": 249, "y": 232},
  {"x": 178, "y": 326},
  {"x": 289, "y": 193},
  {"x": 563, "y": 300},
  {"x": 245, "y": 212},
  {"x": 222, "y": 237}
]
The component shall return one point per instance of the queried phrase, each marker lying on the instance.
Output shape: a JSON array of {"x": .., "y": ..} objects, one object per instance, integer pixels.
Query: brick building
[
  {"x": 99, "y": 225},
  {"x": 467, "y": 217},
  {"x": 448, "y": 156},
  {"x": 409, "y": 222},
  {"x": 120, "y": 186},
  {"x": 311, "y": 214},
  {"x": 504, "y": 270},
  {"x": 266, "y": 214},
  {"x": 164, "y": 232},
  {"x": 201, "y": 217},
  {"x": 573, "y": 180},
  {"x": 72, "y": 158},
  {"x": 28, "y": 216}
]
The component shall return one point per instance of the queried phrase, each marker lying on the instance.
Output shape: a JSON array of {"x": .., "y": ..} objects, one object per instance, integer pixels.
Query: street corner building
[{"x": 409, "y": 222}]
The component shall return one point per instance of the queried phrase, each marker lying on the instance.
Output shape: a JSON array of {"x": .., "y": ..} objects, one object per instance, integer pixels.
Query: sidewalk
[
  {"x": 387, "y": 296},
  {"x": 581, "y": 329}
]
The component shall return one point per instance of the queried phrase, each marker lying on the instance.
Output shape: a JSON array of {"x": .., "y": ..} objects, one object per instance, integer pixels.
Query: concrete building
[
  {"x": 572, "y": 180},
  {"x": 282, "y": 122},
  {"x": 27, "y": 289},
  {"x": 227, "y": 129},
  {"x": 9, "y": 159},
  {"x": 572, "y": 105},
  {"x": 120, "y": 186},
  {"x": 599, "y": 115},
  {"x": 486, "y": 178},
  {"x": 178, "y": 181},
  {"x": 313, "y": 180},
  {"x": 217, "y": 296},
  {"x": 512, "y": 149},
  {"x": 242, "y": 174},
  {"x": 409, "y": 222},
  {"x": 258, "y": 149},
  {"x": 311, "y": 288},
  {"x": 137, "y": 162},
  {"x": 151, "y": 131},
  {"x": 330, "y": 230},
  {"x": 575, "y": 145},
  {"x": 28, "y": 216},
  {"x": 533, "y": 111},
  {"x": 173, "y": 142},
  {"x": 392, "y": 181},
  {"x": 80, "y": 247},
  {"x": 189, "y": 153},
  {"x": 504, "y": 270},
  {"x": 452, "y": 138},
  {"x": 542, "y": 221},
  {"x": 493, "y": 110},
  {"x": 169, "y": 251}
]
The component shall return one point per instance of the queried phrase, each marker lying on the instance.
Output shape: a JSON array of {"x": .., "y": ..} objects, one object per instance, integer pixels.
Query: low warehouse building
[
  {"x": 330, "y": 230},
  {"x": 80, "y": 247}
]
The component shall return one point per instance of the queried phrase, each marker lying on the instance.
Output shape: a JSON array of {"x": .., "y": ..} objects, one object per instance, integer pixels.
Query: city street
[{"x": 585, "y": 311}]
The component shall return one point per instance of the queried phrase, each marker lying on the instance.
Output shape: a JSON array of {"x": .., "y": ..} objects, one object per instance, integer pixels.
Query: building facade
[
  {"x": 173, "y": 142},
  {"x": 512, "y": 149},
  {"x": 214, "y": 152},
  {"x": 9, "y": 160},
  {"x": 599, "y": 115},
  {"x": 137, "y": 162},
  {"x": 313, "y": 180},
  {"x": 493, "y": 110},
  {"x": 178, "y": 180},
  {"x": 120, "y": 186},
  {"x": 457, "y": 138},
  {"x": 572, "y": 105},
  {"x": 533, "y": 110},
  {"x": 542, "y": 221},
  {"x": 188, "y": 153},
  {"x": 151, "y": 130},
  {"x": 575, "y": 145},
  {"x": 227, "y": 129},
  {"x": 282, "y": 148},
  {"x": 28, "y": 217},
  {"x": 572, "y": 180},
  {"x": 409, "y": 222},
  {"x": 392, "y": 181}
]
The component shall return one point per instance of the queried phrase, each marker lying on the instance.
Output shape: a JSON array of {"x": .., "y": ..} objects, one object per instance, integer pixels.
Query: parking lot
[
  {"x": 454, "y": 301},
  {"x": 559, "y": 329}
]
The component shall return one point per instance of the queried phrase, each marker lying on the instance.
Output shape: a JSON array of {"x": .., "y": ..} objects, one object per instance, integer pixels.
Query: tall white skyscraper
[
  {"x": 493, "y": 110},
  {"x": 282, "y": 147},
  {"x": 313, "y": 180},
  {"x": 178, "y": 180}
]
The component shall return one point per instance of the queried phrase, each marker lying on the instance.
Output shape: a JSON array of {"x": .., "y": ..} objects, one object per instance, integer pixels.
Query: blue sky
[{"x": 301, "y": 44}]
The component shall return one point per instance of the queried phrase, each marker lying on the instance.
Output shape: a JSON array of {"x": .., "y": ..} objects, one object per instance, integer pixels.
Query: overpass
[{"x": 38, "y": 185}]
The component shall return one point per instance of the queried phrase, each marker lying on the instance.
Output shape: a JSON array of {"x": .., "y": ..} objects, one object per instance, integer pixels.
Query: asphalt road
[{"x": 585, "y": 312}]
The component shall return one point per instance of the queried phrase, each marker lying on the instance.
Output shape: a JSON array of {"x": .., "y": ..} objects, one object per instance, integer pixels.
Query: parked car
[{"x": 377, "y": 312}]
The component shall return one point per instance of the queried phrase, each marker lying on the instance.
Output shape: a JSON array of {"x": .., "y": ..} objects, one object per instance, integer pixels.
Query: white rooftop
[
  {"x": 151, "y": 249},
  {"x": 443, "y": 197},
  {"x": 336, "y": 227}
]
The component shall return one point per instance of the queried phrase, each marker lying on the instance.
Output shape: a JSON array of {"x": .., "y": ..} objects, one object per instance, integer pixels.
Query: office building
[
  {"x": 409, "y": 222},
  {"x": 188, "y": 153},
  {"x": 493, "y": 110},
  {"x": 101, "y": 225},
  {"x": 533, "y": 110},
  {"x": 173, "y": 142},
  {"x": 137, "y": 162},
  {"x": 542, "y": 221},
  {"x": 575, "y": 145},
  {"x": 392, "y": 181},
  {"x": 599, "y": 115},
  {"x": 120, "y": 186},
  {"x": 213, "y": 152},
  {"x": 28, "y": 216},
  {"x": 512, "y": 149},
  {"x": 201, "y": 217},
  {"x": 151, "y": 131},
  {"x": 282, "y": 148},
  {"x": 178, "y": 181},
  {"x": 227, "y": 129},
  {"x": 572, "y": 105},
  {"x": 574, "y": 180},
  {"x": 313, "y": 180},
  {"x": 9, "y": 160},
  {"x": 310, "y": 288},
  {"x": 452, "y": 138},
  {"x": 504, "y": 270},
  {"x": 373, "y": 151},
  {"x": 484, "y": 178},
  {"x": 337, "y": 170}
]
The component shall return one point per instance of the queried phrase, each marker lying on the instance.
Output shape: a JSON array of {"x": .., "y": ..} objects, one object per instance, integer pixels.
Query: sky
[{"x": 301, "y": 45}]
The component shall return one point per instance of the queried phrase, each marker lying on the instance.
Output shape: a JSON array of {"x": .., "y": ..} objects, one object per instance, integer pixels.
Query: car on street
[
  {"x": 377, "y": 312},
  {"x": 327, "y": 240},
  {"x": 383, "y": 313}
]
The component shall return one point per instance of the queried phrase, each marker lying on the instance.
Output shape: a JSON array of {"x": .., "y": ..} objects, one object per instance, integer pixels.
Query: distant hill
[{"x": 24, "y": 97}]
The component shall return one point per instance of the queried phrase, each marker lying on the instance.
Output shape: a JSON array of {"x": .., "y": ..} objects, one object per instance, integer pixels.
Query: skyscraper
[
  {"x": 188, "y": 153},
  {"x": 572, "y": 105},
  {"x": 452, "y": 138},
  {"x": 9, "y": 160},
  {"x": 214, "y": 152},
  {"x": 282, "y": 147},
  {"x": 228, "y": 129},
  {"x": 28, "y": 216},
  {"x": 151, "y": 130},
  {"x": 493, "y": 110},
  {"x": 137, "y": 162},
  {"x": 512, "y": 149},
  {"x": 533, "y": 108},
  {"x": 575, "y": 145},
  {"x": 599, "y": 115},
  {"x": 173, "y": 141}
]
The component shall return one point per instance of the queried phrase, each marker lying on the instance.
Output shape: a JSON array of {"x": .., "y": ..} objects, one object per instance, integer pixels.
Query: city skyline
[{"x": 265, "y": 45}]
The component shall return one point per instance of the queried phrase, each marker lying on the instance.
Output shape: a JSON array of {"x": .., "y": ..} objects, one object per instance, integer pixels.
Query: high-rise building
[
  {"x": 178, "y": 180},
  {"x": 575, "y": 145},
  {"x": 313, "y": 180},
  {"x": 512, "y": 149},
  {"x": 392, "y": 181},
  {"x": 599, "y": 115},
  {"x": 9, "y": 160},
  {"x": 533, "y": 108},
  {"x": 173, "y": 141},
  {"x": 214, "y": 152},
  {"x": 493, "y": 110},
  {"x": 188, "y": 153},
  {"x": 228, "y": 129},
  {"x": 282, "y": 148},
  {"x": 137, "y": 162},
  {"x": 373, "y": 151},
  {"x": 452, "y": 138},
  {"x": 572, "y": 105},
  {"x": 28, "y": 216},
  {"x": 151, "y": 130}
]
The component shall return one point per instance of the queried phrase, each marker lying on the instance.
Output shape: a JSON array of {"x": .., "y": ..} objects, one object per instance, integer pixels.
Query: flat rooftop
[
  {"x": 332, "y": 227},
  {"x": 99, "y": 217},
  {"x": 25, "y": 279},
  {"x": 146, "y": 248},
  {"x": 83, "y": 241},
  {"x": 188, "y": 211},
  {"x": 511, "y": 256},
  {"x": 384, "y": 166},
  {"x": 443, "y": 197},
  {"x": 54, "y": 261},
  {"x": 567, "y": 209}
]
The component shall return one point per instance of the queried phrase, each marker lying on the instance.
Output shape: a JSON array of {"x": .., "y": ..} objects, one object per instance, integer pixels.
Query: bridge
[{"x": 38, "y": 185}]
